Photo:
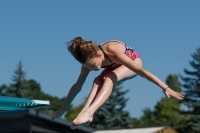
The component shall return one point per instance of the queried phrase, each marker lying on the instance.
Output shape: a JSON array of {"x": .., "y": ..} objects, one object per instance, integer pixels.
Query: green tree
[
  {"x": 146, "y": 118},
  {"x": 191, "y": 85},
  {"x": 166, "y": 111},
  {"x": 173, "y": 82},
  {"x": 23, "y": 88},
  {"x": 111, "y": 114},
  {"x": 19, "y": 87},
  {"x": 3, "y": 88},
  {"x": 196, "y": 123}
]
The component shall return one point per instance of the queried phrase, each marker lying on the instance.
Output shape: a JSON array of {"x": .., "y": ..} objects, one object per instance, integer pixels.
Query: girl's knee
[
  {"x": 111, "y": 77},
  {"x": 98, "y": 80}
]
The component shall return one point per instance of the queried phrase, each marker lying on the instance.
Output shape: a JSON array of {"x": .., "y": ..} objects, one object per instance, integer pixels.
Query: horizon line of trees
[{"x": 111, "y": 115}]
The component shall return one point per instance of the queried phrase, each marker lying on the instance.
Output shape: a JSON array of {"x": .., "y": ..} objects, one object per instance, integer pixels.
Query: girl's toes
[{"x": 73, "y": 126}]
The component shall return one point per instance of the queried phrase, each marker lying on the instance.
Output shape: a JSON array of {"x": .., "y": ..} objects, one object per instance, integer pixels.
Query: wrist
[{"x": 164, "y": 89}]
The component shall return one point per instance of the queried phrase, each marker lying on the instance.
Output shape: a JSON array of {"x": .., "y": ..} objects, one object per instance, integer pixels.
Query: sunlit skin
[{"x": 103, "y": 84}]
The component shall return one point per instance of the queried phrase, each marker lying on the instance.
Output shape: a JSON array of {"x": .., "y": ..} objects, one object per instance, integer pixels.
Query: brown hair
[{"x": 81, "y": 49}]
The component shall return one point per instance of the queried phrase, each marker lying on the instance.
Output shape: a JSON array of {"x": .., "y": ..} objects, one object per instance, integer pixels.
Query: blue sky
[{"x": 164, "y": 34}]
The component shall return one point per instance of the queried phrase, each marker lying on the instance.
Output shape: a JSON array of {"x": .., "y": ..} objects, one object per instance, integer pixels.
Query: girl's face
[{"x": 94, "y": 63}]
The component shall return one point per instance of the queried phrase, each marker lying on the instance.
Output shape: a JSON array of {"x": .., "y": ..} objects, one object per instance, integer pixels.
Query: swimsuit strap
[
  {"x": 126, "y": 46},
  {"x": 105, "y": 54}
]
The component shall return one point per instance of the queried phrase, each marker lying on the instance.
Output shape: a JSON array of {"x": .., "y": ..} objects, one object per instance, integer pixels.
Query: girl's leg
[
  {"x": 112, "y": 77},
  {"x": 97, "y": 84}
]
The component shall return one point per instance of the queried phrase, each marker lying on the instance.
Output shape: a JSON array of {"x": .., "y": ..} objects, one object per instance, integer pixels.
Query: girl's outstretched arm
[
  {"x": 75, "y": 89},
  {"x": 126, "y": 61}
]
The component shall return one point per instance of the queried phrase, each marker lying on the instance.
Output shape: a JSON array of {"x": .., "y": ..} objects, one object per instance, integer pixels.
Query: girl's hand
[
  {"x": 58, "y": 114},
  {"x": 169, "y": 92}
]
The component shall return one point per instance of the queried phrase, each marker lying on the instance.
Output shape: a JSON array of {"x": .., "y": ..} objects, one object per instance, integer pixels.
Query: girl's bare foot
[{"x": 81, "y": 119}]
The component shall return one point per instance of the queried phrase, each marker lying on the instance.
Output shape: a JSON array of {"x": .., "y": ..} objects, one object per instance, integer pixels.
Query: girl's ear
[{"x": 99, "y": 54}]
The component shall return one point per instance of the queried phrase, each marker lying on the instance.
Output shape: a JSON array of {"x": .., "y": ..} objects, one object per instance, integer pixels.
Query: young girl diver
[{"x": 120, "y": 62}]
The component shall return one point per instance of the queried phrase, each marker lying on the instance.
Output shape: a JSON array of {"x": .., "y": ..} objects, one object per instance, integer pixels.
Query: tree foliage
[
  {"x": 73, "y": 111},
  {"x": 173, "y": 82},
  {"x": 165, "y": 112},
  {"x": 191, "y": 90},
  {"x": 146, "y": 118},
  {"x": 23, "y": 88},
  {"x": 19, "y": 86}
]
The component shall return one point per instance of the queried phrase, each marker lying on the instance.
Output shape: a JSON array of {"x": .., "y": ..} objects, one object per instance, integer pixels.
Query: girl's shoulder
[{"x": 113, "y": 47}]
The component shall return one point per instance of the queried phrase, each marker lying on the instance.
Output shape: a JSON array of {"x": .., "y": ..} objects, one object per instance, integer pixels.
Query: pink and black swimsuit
[{"x": 128, "y": 52}]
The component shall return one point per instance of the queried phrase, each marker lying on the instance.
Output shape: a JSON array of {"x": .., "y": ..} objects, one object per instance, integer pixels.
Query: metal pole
[{"x": 30, "y": 126}]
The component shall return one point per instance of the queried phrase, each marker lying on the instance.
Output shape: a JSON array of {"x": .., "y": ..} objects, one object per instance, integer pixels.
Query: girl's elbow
[
  {"x": 76, "y": 88},
  {"x": 143, "y": 76},
  {"x": 141, "y": 72}
]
